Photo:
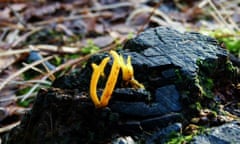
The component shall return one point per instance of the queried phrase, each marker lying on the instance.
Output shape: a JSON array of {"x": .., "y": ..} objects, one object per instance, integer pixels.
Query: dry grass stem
[
  {"x": 69, "y": 18},
  {"x": 25, "y": 36},
  {"x": 18, "y": 16},
  {"x": 22, "y": 82},
  {"x": 156, "y": 12},
  {"x": 53, "y": 48},
  {"x": 9, "y": 127},
  {"x": 34, "y": 68},
  {"x": 149, "y": 17},
  {"x": 30, "y": 92},
  {"x": 28, "y": 95},
  {"x": 12, "y": 26},
  {"x": 23, "y": 70},
  {"x": 108, "y": 7},
  {"x": 14, "y": 52},
  {"x": 219, "y": 16}
]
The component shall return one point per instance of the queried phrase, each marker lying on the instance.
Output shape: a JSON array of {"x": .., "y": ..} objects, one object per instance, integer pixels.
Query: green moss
[
  {"x": 26, "y": 103},
  {"x": 130, "y": 35},
  {"x": 118, "y": 44},
  {"x": 213, "y": 73},
  {"x": 206, "y": 86},
  {"x": 179, "y": 76},
  {"x": 198, "y": 92},
  {"x": 229, "y": 38},
  {"x": 179, "y": 138},
  {"x": 90, "y": 48},
  {"x": 196, "y": 105}
]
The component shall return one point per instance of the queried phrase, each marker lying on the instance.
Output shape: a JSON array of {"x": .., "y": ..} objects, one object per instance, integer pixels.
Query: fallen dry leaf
[
  {"x": 41, "y": 12},
  {"x": 18, "y": 6},
  {"x": 78, "y": 27},
  {"x": 5, "y": 13},
  {"x": 101, "y": 41}
]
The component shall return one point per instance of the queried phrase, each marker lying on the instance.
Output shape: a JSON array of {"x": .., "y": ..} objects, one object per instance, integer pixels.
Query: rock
[
  {"x": 224, "y": 134},
  {"x": 149, "y": 124},
  {"x": 162, "y": 56},
  {"x": 233, "y": 108},
  {"x": 130, "y": 95},
  {"x": 169, "y": 97},
  {"x": 161, "y": 135},
  {"x": 166, "y": 101},
  {"x": 124, "y": 140},
  {"x": 160, "y": 122},
  {"x": 164, "y": 47},
  {"x": 139, "y": 109}
]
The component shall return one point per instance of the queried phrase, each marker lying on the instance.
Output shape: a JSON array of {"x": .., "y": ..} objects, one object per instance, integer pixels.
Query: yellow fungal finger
[
  {"x": 97, "y": 71},
  {"x": 128, "y": 73},
  {"x": 129, "y": 65},
  {"x": 112, "y": 79},
  {"x": 127, "y": 69},
  {"x": 136, "y": 84}
]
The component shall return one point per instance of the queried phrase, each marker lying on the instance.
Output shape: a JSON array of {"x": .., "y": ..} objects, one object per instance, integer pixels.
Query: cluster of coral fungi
[{"x": 98, "y": 70}]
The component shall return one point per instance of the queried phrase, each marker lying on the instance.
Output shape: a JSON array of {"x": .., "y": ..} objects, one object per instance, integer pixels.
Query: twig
[
  {"x": 159, "y": 21},
  {"x": 12, "y": 26},
  {"x": 110, "y": 6},
  {"x": 34, "y": 68},
  {"x": 4, "y": 33},
  {"x": 146, "y": 10},
  {"x": 217, "y": 19},
  {"x": 13, "y": 52},
  {"x": 62, "y": 19},
  {"x": 18, "y": 16},
  {"x": 219, "y": 15},
  {"x": 229, "y": 18},
  {"x": 9, "y": 127},
  {"x": 3, "y": 100},
  {"x": 25, "y": 36},
  {"x": 28, "y": 82},
  {"x": 23, "y": 70},
  {"x": 53, "y": 48},
  {"x": 41, "y": 47},
  {"x": 149, "y": 17},
  {"x": 166, "y": 20}
]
